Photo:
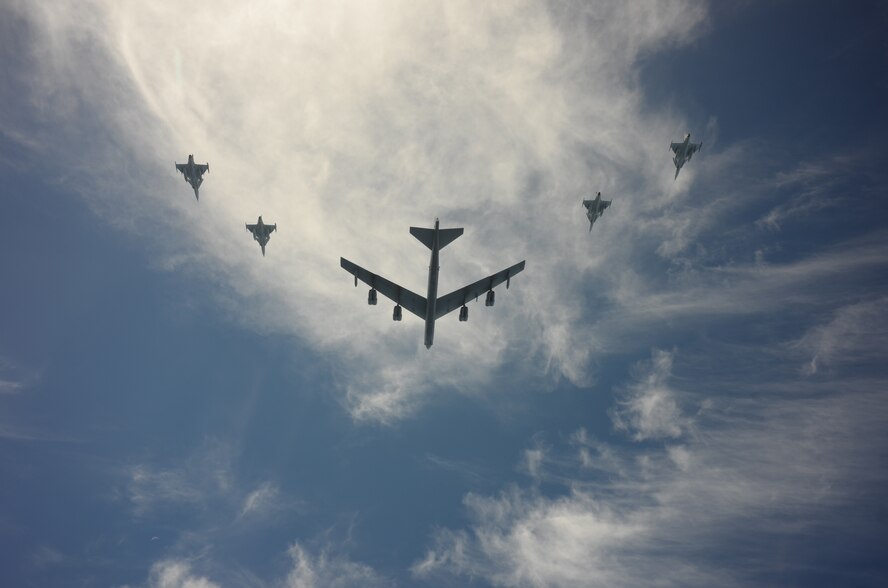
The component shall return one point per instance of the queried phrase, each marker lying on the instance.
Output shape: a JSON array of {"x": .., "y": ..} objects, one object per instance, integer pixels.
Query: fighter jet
[
  {"x": 683, "y": 152},
  {"x": 431, "y": 308},
  {"x": 595, "y": 208},
  {"x": 193, "y": 173},
  {"x": 261, "y": 233}
]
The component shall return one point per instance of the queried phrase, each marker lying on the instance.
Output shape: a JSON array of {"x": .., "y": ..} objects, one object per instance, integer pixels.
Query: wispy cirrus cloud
[
  {"x": 343, "y": 123},
  {"x": 201, "y": 478},
  {"x": 649, "y": 408},
  {"x": 14, "y": 378},
  {"x": 856, "y": 335},
  {"x": 205, "y": 483},
  {"x": 177, "y": 573},
  {"x": 309, "y": 568},
  {"x": 759, "y": 461},
  {"x": 329, "y": 569}
]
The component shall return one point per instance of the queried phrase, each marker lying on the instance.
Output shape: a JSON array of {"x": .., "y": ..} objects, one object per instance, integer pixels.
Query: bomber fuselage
[{"x": 432, "y": 294}]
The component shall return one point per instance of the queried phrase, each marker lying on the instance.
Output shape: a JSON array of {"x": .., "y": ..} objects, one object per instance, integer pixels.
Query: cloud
[
  {"x": 325, "y": 570},
  {"x": 649, "y": 408},
  {"x": 176, "y": 573},
  {"x": 832, "y": 182},
  {"x": 471, "y": 472},
  {"x": 345, "y": 125},
  {"x": 204, "y": 483},
  {"x": 14, "y": 378},
  {"x": 771, "y": 459},
  {"x": 260, "y": 500},
  {"x": 857, "y": 334},
  {"x": 10, "y": 386},
  {"x": 201, "y": 477}
]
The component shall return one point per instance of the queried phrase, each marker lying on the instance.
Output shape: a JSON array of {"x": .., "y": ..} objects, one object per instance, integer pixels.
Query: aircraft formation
[{"x": 431, "y": 307}]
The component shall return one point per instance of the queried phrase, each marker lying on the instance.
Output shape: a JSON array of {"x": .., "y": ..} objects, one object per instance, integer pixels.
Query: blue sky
[{"x": 693, "y": 394}]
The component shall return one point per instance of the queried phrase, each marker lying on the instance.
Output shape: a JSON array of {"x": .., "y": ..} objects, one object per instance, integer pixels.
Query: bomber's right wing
[
  {"x": 252, "y": 228},
  {"x": 180, "y": 167},
  {"x": 412, "y": 302},
  {"x": 459, "y": 297},
  {"x": 676, "y": 146}
]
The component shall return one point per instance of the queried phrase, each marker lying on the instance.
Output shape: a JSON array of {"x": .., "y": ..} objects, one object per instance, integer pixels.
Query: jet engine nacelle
[
  {"x": 490, "y": 298},
  {"x": 463, "y": 314},
  {"x": 371, "y": 297},
  {"x": 396, "y": 313}
]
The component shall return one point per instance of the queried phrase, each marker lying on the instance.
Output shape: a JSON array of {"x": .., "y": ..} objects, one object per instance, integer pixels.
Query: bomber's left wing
[
  {"x": 202, "y": 168},
  {"x": 459, "y": 297},
  {"x": 398, "y": 294},
  {"x": 693, "y": 148}
]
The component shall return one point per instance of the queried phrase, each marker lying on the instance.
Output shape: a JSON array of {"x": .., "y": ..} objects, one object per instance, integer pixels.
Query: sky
[{"x": 691, "y": 394}]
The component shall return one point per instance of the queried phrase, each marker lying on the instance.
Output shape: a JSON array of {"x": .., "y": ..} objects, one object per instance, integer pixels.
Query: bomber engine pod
[
  {"x": 371, "y": 297},
  {"x": 490, "y": 298},
  {"x": 463, "y": 314},
  {"x": 396, "y": 313}
]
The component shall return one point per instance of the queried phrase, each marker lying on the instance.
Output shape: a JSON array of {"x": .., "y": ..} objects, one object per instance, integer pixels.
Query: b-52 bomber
[
  {"x": 683, "y": 152},
  {"x": 595, "y": 208},
  {"x": 431, "y": 308},
  {"x": 261, "y": 232},
  {"x": 193, "y": 173}
]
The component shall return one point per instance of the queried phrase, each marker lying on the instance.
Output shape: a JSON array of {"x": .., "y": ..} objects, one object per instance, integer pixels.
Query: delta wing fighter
[
  {"x": 261, "y": 233},
  {"x": 193, "y": 173},
  {"x": 683, "y": 152},
  {"x": 595, "y": 208}
]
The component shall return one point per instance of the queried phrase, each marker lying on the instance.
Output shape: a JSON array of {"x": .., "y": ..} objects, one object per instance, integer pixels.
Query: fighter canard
[
  {"x": 683, "y": 152},
  {"x": 193, "y": 173},
  {"x": 595, "y": 208},
  {"x": 261, "y": 232},
  {"x": 431, "y": 308}
]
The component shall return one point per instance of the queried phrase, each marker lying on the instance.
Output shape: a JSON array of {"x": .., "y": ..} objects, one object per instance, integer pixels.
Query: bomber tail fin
[{"x": 427, "y": 236}]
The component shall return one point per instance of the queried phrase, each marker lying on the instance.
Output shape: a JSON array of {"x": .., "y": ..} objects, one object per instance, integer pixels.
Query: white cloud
[
  {"x": 649, "y": 408},
  {"x": 325, "y": 570},
  {"x": 10, "y": 386},
  {"x": 205, "y": 483},
  {"x": 345, "y": 123},
  {"x": 176, "y": 573},
  {"x": 14, "y": 378},
  {"x": 858, "y": 333},
  {"x": 201, "y": 477},
  {"x": 260, "y": 500},
  {"x": 826, "y": 183},
  {"x": 771, "y": 458}
]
